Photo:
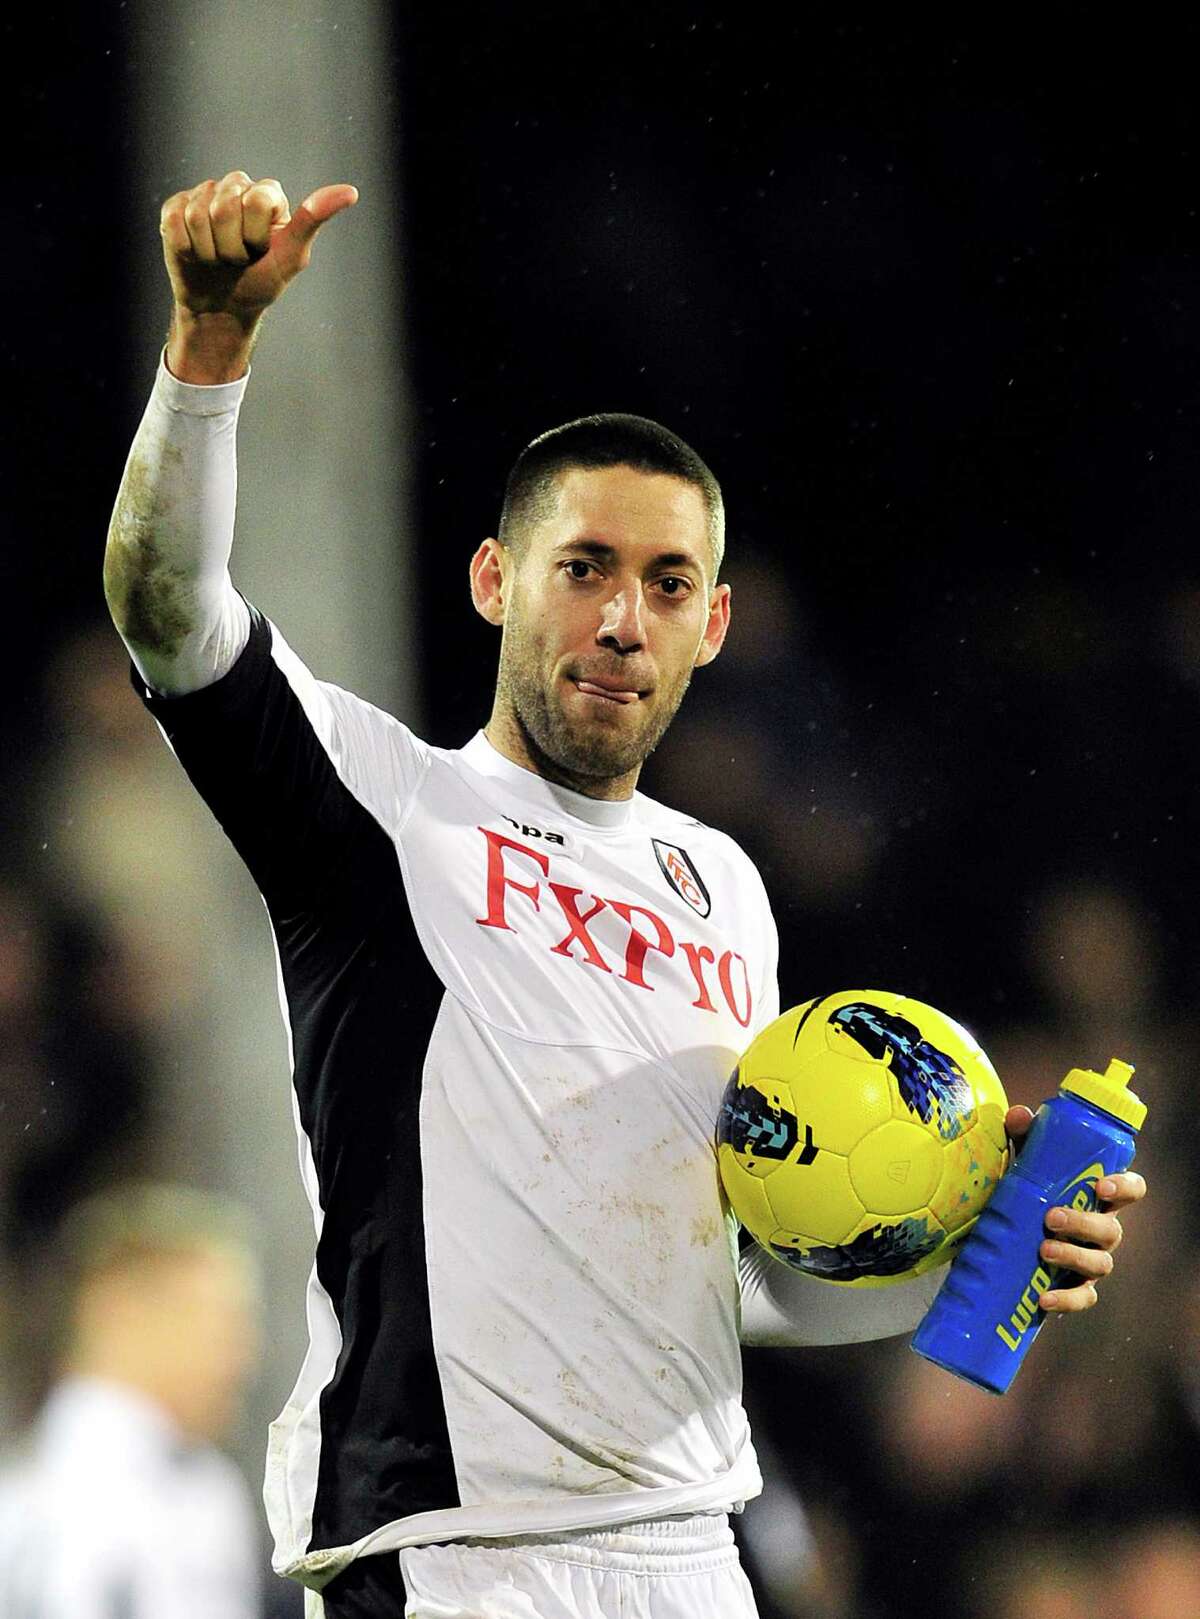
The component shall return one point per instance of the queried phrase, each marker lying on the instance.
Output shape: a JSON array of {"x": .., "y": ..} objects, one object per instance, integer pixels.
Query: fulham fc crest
[{"x": 677, "y": 868}]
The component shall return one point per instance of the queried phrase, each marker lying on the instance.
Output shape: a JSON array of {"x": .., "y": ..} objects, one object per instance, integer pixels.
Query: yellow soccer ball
[{"x": 861, "y": 1136}]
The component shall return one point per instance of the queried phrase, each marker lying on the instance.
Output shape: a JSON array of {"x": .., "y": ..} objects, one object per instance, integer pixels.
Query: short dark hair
[
  {"x": 140, "y": 1221},
  {"x": 612, "y": 439}
]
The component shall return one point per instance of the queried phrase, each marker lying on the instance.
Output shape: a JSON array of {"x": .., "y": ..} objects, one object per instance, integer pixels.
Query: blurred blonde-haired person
[{"x": 117, "y": 1504}]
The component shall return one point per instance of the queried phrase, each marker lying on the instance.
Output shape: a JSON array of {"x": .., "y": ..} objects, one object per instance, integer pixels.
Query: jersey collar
[{"x": 480, "y": 755}]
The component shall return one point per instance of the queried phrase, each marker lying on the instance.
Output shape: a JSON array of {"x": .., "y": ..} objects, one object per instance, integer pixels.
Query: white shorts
[{"x": 672, "y": 1568}]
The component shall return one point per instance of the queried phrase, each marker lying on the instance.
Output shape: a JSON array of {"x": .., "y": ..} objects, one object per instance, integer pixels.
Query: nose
[{"x": 621, "y": 627}]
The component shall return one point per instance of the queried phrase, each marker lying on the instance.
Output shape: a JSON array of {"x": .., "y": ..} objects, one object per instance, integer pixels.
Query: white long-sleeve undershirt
[
  {"x": 785, "y": 1309},
  {"x": 175, "y": 513}
]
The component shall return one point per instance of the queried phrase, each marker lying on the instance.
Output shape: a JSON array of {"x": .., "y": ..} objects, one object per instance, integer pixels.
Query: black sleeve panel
[
  {"x": 362, "y": 1001},
  {"x": 251, "y": 751}
]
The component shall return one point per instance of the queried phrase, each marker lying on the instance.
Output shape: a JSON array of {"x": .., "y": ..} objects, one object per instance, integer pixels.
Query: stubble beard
[{"x": 567, "y": 750}]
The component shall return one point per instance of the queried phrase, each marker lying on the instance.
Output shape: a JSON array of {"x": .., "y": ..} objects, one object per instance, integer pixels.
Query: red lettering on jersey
[
  {"x": 725, "y": 973},
  {"x": 635, "y": 950},
  {"x": 577, "y": 925},
  {"x": 697, "y": 955},
  {"x": 497, "y": 881},
  {"x": 738, "y": 996}
]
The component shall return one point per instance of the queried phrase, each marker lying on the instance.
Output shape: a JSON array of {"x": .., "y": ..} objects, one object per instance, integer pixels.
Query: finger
[
  {"x": 1017, "y": 1124},
  {"x": 1090, "y": 1263},
  {"x": 173, "y": 227},
  {"x": 264, "y": 209},
  {"x": 199, "y": 226},
  {"x": 320, "y": 207},
  {"x": 1069, "y": 1300},
  {"x": 1018, "y": 1120},
  {"x": 225, "y": 216},
  {"x": 1119, "y": 1191},
  {"x": 1082, "y": 1225}
]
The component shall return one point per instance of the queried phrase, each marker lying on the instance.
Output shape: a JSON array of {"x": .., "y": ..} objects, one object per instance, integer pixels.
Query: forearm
[
  {"x": 166, "y": 565},
  {"x": 783, "y": 1308}
]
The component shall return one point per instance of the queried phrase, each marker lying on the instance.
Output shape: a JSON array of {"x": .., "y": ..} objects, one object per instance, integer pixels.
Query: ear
[
  {"x": 490, "y": 568},
  {"x": 717, "y": 627}
]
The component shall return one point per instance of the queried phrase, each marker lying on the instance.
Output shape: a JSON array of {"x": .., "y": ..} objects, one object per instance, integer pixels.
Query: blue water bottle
[{"x": 985, "y": 1317}]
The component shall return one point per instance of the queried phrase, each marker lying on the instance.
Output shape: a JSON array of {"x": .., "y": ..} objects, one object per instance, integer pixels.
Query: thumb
[
  {"x": 1018, "y": 1120},
  {"x": 317, "y": 208}
]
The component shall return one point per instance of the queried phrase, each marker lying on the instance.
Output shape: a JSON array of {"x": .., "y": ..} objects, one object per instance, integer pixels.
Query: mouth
[{"x": 605, "y": 691}]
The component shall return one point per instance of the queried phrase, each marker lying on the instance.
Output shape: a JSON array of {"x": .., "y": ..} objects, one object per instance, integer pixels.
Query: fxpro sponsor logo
[{"x": 520, "y": 888}]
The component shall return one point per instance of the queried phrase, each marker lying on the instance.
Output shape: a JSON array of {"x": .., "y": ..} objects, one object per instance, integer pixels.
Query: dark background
[
  {"x": 926, "y": 299},
  {"x": 927, "y": 304}
]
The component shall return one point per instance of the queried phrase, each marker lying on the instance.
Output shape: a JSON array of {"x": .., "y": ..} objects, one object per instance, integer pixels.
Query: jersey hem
[{"x": 513, "y": 1519}]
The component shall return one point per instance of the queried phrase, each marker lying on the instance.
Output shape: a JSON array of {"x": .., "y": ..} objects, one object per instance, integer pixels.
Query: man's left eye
[{"x": 673, "y": 586}]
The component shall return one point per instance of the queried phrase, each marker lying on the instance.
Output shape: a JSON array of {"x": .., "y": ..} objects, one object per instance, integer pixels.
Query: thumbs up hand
[{"x": 231, "y": 246}]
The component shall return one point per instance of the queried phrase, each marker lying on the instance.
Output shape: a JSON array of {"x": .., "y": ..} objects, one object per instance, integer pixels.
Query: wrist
[{"x": 210, "y": 348}]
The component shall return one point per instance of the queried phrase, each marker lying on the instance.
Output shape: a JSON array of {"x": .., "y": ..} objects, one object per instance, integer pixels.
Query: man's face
[
  {"x": 607, "y": 609},
  {"x": 212, "y": 1300},
  {"x": 184, "y": 1327}
]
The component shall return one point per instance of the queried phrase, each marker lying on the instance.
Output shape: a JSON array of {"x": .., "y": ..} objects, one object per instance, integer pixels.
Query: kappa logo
[
  {"x": 536, "y": 832},
  {"x": 676, "y": 866}
]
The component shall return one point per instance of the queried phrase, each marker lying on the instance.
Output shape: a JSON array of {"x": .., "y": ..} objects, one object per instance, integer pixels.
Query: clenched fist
[{"x": 231, "y": 247}]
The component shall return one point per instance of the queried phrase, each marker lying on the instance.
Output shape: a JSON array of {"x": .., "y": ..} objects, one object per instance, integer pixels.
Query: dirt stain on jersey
[
  {"x": 571, "y": 1391},
  {"x": 653, "y": 1219},
  {"x": 149, "y": 598}
]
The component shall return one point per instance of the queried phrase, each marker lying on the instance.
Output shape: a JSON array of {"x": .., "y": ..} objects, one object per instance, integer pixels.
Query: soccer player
[
  {"x": 524, "y": 1369},
  {"x": 117, "y": 1504}
]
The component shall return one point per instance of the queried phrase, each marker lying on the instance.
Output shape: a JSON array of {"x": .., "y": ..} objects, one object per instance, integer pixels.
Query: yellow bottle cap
[{"x": 1109, "y": 1091}]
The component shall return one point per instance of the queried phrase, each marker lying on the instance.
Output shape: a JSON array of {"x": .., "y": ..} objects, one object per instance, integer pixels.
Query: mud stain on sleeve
[{"x": 150, "y": 598}]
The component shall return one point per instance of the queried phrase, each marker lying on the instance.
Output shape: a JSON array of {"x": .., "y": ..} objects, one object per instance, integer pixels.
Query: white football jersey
[{"x": 513, "y": 1010}]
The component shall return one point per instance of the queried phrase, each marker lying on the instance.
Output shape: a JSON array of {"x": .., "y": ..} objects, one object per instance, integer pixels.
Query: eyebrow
[{"x": 605, "y": 553}]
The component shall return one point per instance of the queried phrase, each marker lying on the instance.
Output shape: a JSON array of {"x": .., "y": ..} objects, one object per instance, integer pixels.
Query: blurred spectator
[
  {"x": 943, "y": 1460},
  {"x": 763, "y": 749},
  {"x": 117, "y": 1505},
  {"x": 1155, "y": 1573},
  {"x": 779, "y": 1549},
  {"x": 1096, "y": 954},
  {"x": 71, "y": 1061},
  {"x": 1041, "y": 1579},
  {"x": 1096, "y": 951},
  {"x": 122, "y": 835},
  {"x": 72, "y": 1100}
]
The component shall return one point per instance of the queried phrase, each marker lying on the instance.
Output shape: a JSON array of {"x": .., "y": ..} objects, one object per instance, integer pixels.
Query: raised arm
[{"x": 231, "y": 247}]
